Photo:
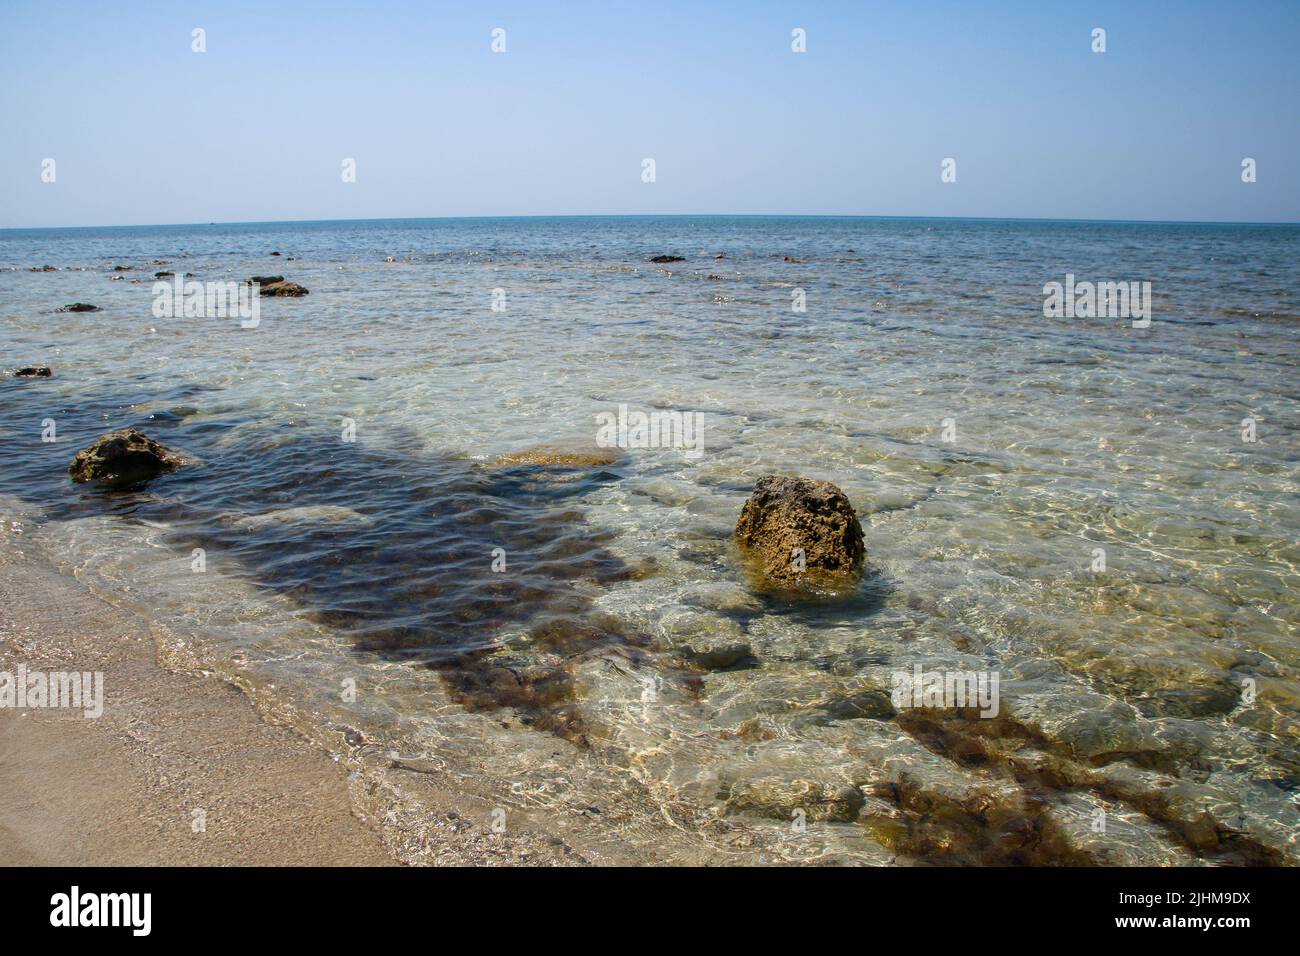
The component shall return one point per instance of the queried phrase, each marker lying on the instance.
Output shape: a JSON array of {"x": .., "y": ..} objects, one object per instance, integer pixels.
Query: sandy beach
[{"x": 123, "y": 789}]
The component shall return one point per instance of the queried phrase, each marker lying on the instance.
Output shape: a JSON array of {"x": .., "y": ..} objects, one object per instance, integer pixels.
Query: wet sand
[{"x": 122, "y": 789}]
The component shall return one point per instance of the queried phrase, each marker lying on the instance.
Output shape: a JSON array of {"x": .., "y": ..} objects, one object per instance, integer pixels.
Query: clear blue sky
[{"x": 145, "y": 131}]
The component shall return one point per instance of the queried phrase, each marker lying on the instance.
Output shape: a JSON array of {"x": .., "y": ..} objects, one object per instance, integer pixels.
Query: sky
[{"x": 144, "y": 130}]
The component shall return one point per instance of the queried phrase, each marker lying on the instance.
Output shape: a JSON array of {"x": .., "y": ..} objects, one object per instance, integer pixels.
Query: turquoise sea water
[{"x": 991, "y": 452}]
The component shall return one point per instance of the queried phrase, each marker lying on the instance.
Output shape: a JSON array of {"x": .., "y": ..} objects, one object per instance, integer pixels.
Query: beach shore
[
  {"x": 173, "y": 749},
  {"x": 170, "y": 750}
]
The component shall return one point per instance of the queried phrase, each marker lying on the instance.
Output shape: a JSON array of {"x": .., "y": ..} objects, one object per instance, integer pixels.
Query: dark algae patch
[{"x": 411, "y": 576}]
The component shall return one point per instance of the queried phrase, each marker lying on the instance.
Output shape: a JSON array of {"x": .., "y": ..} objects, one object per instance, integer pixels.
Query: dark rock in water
[
  {"x": 801, "y": 533},
  {"x": 283, "y": 288},
  {"x": 667, "y": 258},
  {"x": 79, "y": 307},
  {"x": 33, "y": 371},
  {"x": 122, "y": 459},
  {"x": 779, "y": 798},
  {"x": 720, "y": 656},
  {"x": 864, "y": 705},
  {"x": 275, "y": 253},
  {"x": 1198, "y": 703},
  {"x": 122, "y": 268},
  {"x": 264, "y": 280}
]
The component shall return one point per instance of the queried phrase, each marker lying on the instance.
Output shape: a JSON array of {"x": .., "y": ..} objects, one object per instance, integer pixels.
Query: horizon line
[{"x": 688, "y": 215}]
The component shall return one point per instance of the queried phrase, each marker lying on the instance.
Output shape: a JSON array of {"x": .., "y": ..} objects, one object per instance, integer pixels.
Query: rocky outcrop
[
  {"x": 282, "y": 288},
  {"x": 122, "y": 459},
  {"x": 799, "y": 533},
  {"x": 33, "y": 371},
  {"x": 667, "y": 258}
]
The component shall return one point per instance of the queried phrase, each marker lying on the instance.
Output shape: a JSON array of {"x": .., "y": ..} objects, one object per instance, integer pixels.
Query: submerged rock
[
  {"x": 718, "y": 656},
  {"x": 33, "y": 371},
  {"x": 282, "y": 288},
  {"x": 667, "y": 258},
  {"x": 867, "y": 704},
  {"x": 800, "y": 533},
  {"x": 780, "y": 798},
  {"x": 306, "y": 515},
  {"x": 80, "y": 307},
  {"x": 123, "y": 458},
  {"x": 561, "y": 456}
]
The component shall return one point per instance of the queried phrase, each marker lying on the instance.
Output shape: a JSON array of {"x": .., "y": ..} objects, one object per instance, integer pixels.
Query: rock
[
  {"x": 667, "y": 258},
  {"x": 33, "y": 371},
  {"x": 863, "y": 705},
  {"x": 786, "y": 515},
  {"x": 122, "y": 459},
  {"x": 722, "y": 597},
  {"x": 717, "y": 657},
  {"x": 282, "y": 288},
  {"x": 79, "y": 307},
  {"x": 121, "y": 268},
  {"x": 305, "y": 515},
  {"x": 275, "y": 253},
  {"x": 782, "y": 799},
  {"x": 561, "y": 456}
]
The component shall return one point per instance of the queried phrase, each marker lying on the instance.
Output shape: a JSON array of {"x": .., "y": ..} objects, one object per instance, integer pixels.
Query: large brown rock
[
  {"x": 123, "y": 458},
  {"x": 787, "y": 519}
]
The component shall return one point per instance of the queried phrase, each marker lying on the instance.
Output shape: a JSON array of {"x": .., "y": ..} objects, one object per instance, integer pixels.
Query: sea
[{"x": 1095, "y": 506}]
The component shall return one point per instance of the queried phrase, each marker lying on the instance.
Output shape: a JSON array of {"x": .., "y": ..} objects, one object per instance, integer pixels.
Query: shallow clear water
[{"x": 558, "y": 683}]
